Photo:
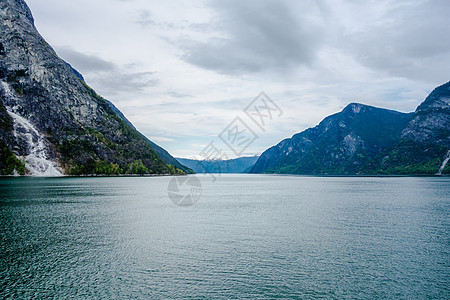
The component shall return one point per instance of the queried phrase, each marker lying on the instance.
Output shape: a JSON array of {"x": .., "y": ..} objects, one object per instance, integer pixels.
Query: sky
[{"x": 183, "y": 71}]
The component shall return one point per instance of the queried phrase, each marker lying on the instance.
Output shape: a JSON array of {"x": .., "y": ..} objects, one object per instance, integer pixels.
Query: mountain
[
  {"x": 431, "y": 121},
  {"x": 237, "y": 165},
  {"x": 52, "y": 122},
  {"x": 165, "y": 156},
  {"x": 424, "y": 147},
  {"x": 367, "y": 140},
  {"x": 340, "y": 144}
]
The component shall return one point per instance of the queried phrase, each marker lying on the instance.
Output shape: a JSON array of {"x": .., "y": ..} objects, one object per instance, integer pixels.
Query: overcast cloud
[
  {"x": 181, "y": 71},
  {"x": 256, "y": 36}
]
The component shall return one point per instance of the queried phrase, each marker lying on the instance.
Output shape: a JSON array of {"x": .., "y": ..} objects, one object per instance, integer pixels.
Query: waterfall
[
  {"x": 37, "y": 161},
  {"x": 444, "y": 163}
]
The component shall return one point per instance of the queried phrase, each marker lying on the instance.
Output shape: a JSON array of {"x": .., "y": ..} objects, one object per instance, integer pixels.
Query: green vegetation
[
  {"x": 96, "y": 167},
  {"x": 137, "y": 167},
  {"x": 10, "y": 162},
  {"x": 405, "y": 158},
  {"x": 426, "y": 168},
  {"x": 102, "y": 167},
  {"x": 409, "y": 158},
  {"x": 175, "y": 171},
  {"x": 111, "y": 148},
  {"x": 446, "y": 170}
]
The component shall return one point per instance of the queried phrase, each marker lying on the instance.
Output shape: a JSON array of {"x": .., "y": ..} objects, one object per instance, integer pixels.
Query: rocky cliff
[
  {"x": 424, "y": 146},
  {"x": 431, "y": 121},
  {"x": 51, "y": 118}
]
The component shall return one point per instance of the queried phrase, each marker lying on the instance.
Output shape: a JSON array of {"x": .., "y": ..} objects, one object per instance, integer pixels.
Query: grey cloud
[
  {"x": 413, "y": 43},
  {"x": 256, "y": 36},
  {"x": 179, "y": 95},
  {"x": 200, "y": 27},
  {"x": 106, "y": 76},
  {"x": 84, "y": 62},
  {"x": 145, "y": 18},
  {"x": 115, "y": 83}
]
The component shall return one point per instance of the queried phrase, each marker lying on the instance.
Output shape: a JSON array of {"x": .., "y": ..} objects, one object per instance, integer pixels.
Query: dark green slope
[{"x": 165, "y": 156}]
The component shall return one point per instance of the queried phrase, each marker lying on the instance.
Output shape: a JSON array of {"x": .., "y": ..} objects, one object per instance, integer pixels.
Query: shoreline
[
  {"x": 220, "y": 174},
  {"x": 91, "y": 175}
]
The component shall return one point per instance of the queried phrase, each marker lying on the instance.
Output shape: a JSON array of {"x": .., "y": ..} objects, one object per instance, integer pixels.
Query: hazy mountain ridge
[
  {"x": 79, "y": 129},
  {"x": 362, "y": 139},
  {"x": 236, "y": 165}
]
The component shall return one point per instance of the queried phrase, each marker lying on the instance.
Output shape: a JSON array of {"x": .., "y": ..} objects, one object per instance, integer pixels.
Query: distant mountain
[
  {"x": 169, "y": 159},
  {"x": 52, "y": 122},
  {"x": 363, "y": 139},
  {"x": 237, "y": 165}
]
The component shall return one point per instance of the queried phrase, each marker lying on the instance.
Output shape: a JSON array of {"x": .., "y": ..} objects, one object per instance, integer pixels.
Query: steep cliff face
[
  {"x": 340, "y": 144},
  {"x": 41, "y": 95},
  {"x": 431, "y": 121}
]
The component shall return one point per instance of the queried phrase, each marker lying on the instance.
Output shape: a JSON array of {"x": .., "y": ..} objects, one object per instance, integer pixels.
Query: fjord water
[{"x": 254, "y": 236}]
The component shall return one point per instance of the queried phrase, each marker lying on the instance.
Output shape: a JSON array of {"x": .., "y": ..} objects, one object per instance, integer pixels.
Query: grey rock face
[
  {"x": 33, "y": 68},
  {"x": 82, "y": 128},
  {"x": 431, "y": 121}
]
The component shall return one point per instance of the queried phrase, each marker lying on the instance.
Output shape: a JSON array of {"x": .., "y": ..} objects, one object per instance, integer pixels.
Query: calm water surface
[{"x": 249, "y": 236}]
